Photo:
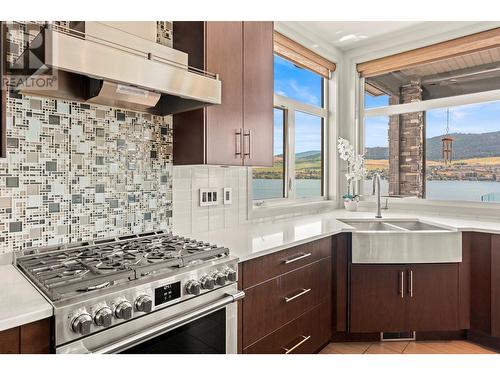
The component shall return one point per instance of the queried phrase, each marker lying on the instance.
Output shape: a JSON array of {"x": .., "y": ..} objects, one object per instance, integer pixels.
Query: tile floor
[{"x": 406, "y": 347}]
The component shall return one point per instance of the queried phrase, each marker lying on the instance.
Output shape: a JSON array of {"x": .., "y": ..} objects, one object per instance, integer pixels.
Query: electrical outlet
[
  {"x": 208, "y": 197},
  {"x": 228, "y": 196}
]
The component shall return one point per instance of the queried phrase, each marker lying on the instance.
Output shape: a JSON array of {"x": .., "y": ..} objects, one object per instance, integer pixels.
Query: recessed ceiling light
[
  {"x": 352, "y": 37},
  {"x": 314, "y": 46},
  {"x": 347, "y": 37}
]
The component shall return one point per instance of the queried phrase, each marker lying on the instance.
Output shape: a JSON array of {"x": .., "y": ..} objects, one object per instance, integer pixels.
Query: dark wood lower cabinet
[
  {"x": 288, "y": 302},
  {"x": 495, "y": 285},
  {"x": 304, "y": 335},
  {"x": 433, "y": 305},
  {"x": 35, "y": 337},
  {"x": 270, "y": 305},
  {"x": 397, "y": 298},
  {"x": 9, "y": 341},
  {"x": 485, "y": 288},
  {"x": 31, "y": 338},
  {"x": 377, "y": 299}
]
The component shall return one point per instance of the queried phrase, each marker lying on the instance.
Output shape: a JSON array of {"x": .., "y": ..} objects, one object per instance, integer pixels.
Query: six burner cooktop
[{"x": 66, "y": 271}]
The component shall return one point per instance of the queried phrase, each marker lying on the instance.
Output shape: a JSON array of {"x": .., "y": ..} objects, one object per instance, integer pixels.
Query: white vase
[{"x": 351, "y": 205}]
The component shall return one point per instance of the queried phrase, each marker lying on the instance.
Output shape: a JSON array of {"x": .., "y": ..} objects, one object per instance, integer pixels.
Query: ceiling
[
  {"x": 457, "y": 75},
  {"x": 346, "y": 35}
]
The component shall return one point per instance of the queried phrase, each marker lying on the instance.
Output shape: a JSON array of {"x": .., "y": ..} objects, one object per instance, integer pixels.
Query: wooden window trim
[
  {"x": 451, "y": 48},
  {"x": 301, "y": 56}
]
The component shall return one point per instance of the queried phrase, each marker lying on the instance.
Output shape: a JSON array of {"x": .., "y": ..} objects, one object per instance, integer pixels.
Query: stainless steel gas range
[{"x": 146, "y": 293}]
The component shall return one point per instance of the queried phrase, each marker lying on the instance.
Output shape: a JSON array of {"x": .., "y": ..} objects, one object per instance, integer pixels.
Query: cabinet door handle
[
  {"x": 246, "y": 152},
  {"x": 411, "y": 284},
  {"x": 401, "y": 286},
  {"x": 237, "y": 142},
  {"x": 304, "y": 291},
  {"x": 304, "y": 339},
  {"x": 297, "y": 257}
]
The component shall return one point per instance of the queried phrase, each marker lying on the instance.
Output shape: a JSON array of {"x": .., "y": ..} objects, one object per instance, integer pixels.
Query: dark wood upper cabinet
[
  {"x": 240, "y": 130},
  {"x": 258, "y": 93}
]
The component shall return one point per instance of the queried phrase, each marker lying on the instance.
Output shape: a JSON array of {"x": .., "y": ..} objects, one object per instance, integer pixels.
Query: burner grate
[{"x": 78, "y": 269}]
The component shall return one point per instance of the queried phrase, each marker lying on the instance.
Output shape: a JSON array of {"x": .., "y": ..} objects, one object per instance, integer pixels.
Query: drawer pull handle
[
  {"x": 411, "y": 283},
  {"x": 304, "y": 291},
  {"x": 304, "y": 339},
  {"x": 297, "y": 257},
  {"x": 401, "y": 289}
]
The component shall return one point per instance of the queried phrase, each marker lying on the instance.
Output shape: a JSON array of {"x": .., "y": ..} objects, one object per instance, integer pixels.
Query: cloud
[{"x": 291, "y": 88}]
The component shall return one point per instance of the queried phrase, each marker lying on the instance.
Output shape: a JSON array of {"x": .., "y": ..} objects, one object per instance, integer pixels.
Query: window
[
  {"x": 269, "y": 183},
  {"x": 308, "y": 155},
  {"x": 412, "y": 116},
  {"x": 377, "y": 152},
  {"x": 299, "y": 136}
]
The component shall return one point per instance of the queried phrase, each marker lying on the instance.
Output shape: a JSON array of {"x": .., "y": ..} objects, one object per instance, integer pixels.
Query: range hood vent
[{"x": 99, "y": 64}]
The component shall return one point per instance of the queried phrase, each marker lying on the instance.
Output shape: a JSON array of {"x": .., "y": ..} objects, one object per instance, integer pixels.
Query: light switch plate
[
  {"x": 228, "y": 196},
  {"x": 208, "y": 197}
]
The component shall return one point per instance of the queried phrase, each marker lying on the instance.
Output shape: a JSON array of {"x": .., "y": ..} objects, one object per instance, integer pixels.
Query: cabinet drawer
[
  {"x": 271, "y": 305},
  {"x": 304, "y": 335},
  {"x": 266, "y": 267}
]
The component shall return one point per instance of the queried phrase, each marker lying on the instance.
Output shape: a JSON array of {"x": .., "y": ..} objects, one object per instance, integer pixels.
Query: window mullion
[{"x": 290, "y": 156}]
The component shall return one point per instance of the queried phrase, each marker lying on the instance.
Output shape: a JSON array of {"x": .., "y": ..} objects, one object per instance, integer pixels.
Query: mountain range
[{"x": 465, "y": 146}]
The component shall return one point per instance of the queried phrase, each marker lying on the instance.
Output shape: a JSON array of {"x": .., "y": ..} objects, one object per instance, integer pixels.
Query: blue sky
[
  {"x": 472, "y": 118},
  {"x": 305, "y": 86}
]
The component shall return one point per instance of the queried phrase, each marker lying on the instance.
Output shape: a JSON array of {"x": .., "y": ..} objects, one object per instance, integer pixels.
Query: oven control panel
[{"x": 85, "y": 318}]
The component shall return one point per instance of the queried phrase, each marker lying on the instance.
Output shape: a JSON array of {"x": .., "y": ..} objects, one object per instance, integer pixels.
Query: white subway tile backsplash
[{"x": 188, "y": 216}]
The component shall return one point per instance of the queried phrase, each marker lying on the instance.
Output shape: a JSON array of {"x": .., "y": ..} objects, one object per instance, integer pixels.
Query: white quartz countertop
[
  {"x": 251, "y": 240},
  {"x": 20, "y": 302}
]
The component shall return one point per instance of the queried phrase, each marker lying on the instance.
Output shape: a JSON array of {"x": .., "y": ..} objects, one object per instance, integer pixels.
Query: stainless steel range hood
[{"x": 96, "y": 63}]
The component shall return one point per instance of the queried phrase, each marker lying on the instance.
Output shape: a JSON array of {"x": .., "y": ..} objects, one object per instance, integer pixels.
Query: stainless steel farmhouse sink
[{"x": 403, "y": 241}]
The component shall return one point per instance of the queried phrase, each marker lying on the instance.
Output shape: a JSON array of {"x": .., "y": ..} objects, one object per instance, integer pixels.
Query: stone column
[
  {"x": 393, "y": 135},
  {"x": 407, "y": 146}
]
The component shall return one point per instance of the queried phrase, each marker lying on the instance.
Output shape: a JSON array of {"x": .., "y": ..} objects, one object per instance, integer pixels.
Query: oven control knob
[
  {"x": 103, "y": 317},
  {"x": 230, "y": 274},
  {"x": 207, "y": 282},
  {"x": 123, "y": 310},
  {"x": 144, "y": 303},
  {"x": 220, "y": 278},
  {"x": 81, "y": 324},
  {"x": 193, "y": 287}
]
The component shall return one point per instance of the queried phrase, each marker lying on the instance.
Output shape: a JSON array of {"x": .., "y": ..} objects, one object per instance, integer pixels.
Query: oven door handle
[{"x": 171, "y": 324}]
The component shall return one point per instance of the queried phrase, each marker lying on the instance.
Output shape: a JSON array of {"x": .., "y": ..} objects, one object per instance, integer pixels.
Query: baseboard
[
  {"x": 420, "y": 336},
  {"x": 442, "y": 335},
  {"x": 355, "y": 337},
  {"x": 484, "y": 339}
]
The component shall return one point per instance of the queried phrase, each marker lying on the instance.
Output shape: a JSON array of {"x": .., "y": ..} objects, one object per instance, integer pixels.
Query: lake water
[{"x": 437, "y": 190}]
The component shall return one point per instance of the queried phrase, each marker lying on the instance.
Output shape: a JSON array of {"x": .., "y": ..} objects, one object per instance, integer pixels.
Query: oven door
[{"x": 202, "y": 325}]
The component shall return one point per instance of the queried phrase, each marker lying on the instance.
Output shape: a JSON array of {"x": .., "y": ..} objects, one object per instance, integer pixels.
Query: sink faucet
[{"x": 376, "y": 179}]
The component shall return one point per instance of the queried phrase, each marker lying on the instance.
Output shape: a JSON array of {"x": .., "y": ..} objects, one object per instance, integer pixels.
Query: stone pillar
[
  {"x": 407, "y": 146},
  {"x": 393, "y": 135}
]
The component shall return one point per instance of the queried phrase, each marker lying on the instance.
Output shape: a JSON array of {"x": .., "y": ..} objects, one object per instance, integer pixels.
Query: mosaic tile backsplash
[{"x": 75, "y": 172}]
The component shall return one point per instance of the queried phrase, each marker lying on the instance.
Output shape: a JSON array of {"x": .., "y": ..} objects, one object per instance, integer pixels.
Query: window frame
[
  {"x": 425, "y": 105},
  {"x": 290, "y": 106}
]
